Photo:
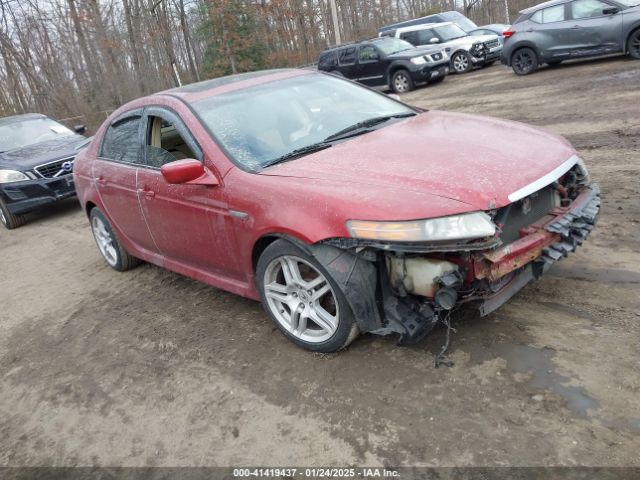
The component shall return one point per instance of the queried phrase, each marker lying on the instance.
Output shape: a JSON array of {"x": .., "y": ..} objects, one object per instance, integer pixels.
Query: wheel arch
[
  {"x": 634, "y": 28},
  {"x": 393, "y": 68}
]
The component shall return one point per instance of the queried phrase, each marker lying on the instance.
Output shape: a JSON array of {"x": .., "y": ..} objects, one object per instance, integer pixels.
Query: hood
[
  {"x": 26, "y": 158},
  {"x": 475, "y": 160},
  {"x": 417, "y": 52},
  {"x": 470, "y": 40}
]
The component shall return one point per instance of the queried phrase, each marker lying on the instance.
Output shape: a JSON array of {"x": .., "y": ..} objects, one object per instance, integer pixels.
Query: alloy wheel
[
  {"x": 105, "y": 241},
  {"x": 460, "y": 63},
  {"x": 301, "y": 299},
  {"x": 401, "y": 84},
  {"x": 634, "y": 45},
  {"x": 3, "y": 218},
  {"x": 523, "y": 62}
]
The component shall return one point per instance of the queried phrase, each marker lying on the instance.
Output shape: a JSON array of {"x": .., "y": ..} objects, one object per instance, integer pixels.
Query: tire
[
  {"x": 633, "y": 44},
  {"x": 290, "y": 281},
  {"x": 107, "y": 241},
  {"x": 524, "y": 61},
  {"x": 401, "y": 82},
  {"x": 461, "y": 62},
  {"x": 8, "y": 219}
]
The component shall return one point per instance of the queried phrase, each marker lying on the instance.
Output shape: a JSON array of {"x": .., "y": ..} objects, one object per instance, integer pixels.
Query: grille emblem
[{"x": 67, "y": 166}]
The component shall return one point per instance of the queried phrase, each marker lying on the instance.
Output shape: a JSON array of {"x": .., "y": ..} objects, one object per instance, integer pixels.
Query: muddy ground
[{"x": 151, "y": 368}]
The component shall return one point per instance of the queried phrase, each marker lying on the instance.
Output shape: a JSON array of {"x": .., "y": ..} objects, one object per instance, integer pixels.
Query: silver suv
[
  {"x": 564, "y": 29},
  {"x": 464, "y": 50}
]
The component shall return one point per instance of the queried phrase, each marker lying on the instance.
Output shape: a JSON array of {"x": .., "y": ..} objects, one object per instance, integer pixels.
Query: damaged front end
[{"x": 406, "y": 287}]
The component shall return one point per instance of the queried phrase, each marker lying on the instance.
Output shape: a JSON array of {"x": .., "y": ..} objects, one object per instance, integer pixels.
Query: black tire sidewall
[
  {"x": 12, "y": 221},
  {"x": 346, "y": 318}
]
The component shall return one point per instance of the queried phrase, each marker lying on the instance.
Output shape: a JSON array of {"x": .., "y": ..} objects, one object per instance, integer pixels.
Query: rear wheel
[
  {"x": 8, "y": 219},
  {"x": 461, "y": 62},
  {"x": 303, "y": 300},
  {"x": 401, "y": 82},
  {"x": 633, "y": 44},
  {"x": 524, "y": 61},
  {"x": 113, "y": 253}
]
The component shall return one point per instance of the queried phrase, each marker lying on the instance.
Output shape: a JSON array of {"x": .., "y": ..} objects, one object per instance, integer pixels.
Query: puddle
[
  {"x": 537, "y": 361},
  {"x": 600, "y": 275}
]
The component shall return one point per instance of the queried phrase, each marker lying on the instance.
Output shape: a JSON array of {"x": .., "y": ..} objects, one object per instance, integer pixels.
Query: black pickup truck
[
  {"x": 36, "y": 164},
  {"x": 388, "y": 62}
]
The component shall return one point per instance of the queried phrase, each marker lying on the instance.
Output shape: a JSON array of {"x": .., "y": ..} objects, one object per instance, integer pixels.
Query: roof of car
[
  {"x": 550, "y": 3},
  {"x": 215, "y": 86},
  {"x": 423, "y": 26},
  {"x": 20, "y": 118}
]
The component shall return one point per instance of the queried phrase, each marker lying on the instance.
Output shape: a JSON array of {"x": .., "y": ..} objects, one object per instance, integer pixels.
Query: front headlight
[
  {"x": 418, "y": 60},
  {"x": 10, "y": 176},
  {"x": 466, "y": 226}
]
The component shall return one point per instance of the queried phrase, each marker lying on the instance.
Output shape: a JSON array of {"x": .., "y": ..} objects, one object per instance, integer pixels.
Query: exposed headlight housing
[
  {"x": 418, "y": 60},
  {"x": 10, "y": 176},
  {"x": 466, "y": 226},
  {"x": 586, "y": 178}
]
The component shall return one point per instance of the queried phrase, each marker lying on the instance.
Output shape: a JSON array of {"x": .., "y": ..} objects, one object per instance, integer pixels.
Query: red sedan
[{"x": 341, "y": 209}]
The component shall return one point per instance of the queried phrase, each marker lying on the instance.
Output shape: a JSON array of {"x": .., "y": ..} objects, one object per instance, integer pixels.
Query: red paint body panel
[{"x": 431, "y": 165}]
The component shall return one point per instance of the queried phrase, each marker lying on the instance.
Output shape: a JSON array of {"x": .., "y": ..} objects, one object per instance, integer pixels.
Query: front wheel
[
  {"x": 401, "y": 82},
  {"x": 302, "y": 299},
  {"x": 633, "y": 45},
  {"x": 461, "y": 62},
  {"x": 114, "y": 254},
  {"x": 8, "y": 219},
  {"x": 524, "y": 61}
]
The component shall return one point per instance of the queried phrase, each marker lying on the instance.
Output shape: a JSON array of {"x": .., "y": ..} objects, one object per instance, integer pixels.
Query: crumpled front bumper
[
  {"x": 22, "y": 197},
  {"x": 542, "y": 245}
]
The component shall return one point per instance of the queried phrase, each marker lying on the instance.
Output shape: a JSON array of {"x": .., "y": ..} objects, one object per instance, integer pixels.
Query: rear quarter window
[
  {"x": 347, "y": 56},
  {"x": 549, "y": 14}
]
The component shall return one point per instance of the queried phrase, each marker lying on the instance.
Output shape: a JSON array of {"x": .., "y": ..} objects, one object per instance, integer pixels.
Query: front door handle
[{"x": 147, "y": 193}]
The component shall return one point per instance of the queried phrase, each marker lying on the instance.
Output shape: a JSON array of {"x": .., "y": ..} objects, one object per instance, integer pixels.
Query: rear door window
[
  {"x": 549, "y": 15},
  {"x": 368, "y": 54},
  {"x": 411, "y": 37},
  {"x": 122, "y": 140},
  {"x": 347, "y": 56}
]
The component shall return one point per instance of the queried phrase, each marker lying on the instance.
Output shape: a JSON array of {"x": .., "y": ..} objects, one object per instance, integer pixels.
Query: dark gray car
[{"x": 560, "y": 30}]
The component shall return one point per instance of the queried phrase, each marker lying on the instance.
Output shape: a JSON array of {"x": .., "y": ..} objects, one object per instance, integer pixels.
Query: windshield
[
  {"x": 394, "y": 45},
  {"x": 27, "y": 132},
  {"x": 449, "y": 32},
  {"x": 259, "y": 124}
]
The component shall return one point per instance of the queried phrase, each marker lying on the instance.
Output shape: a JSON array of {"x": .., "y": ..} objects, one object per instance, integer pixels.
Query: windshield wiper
[
  {"x": 361, "y": 127},
  {"x": 298, "y": 152}
]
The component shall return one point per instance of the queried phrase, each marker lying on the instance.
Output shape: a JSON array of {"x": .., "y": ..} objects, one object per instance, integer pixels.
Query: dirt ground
[{"x": 150, "y": 368}]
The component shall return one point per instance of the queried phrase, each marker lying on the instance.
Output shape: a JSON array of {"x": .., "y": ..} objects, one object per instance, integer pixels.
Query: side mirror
[
  {"x": 187, "y": 171},
  {"x": 610, "y": 10},
  {"x": 434, "y": 40},
  {"x": 80, "y": 129}
]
